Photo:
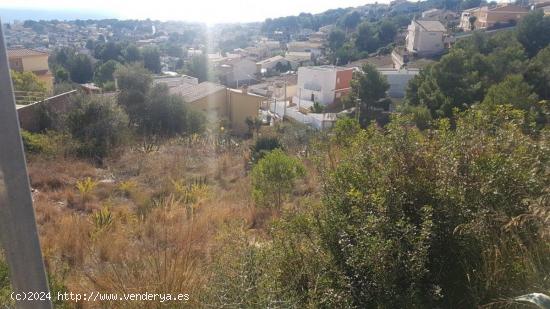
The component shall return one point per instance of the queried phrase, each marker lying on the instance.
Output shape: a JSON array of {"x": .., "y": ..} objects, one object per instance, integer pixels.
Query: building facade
[
  {"x": 30, "y": 60},
  {"x": 490, "y": 17},
  {"x": 425, "y": 37},
  {"x": 219, "y": 103},
  {"x": 324, "y": 84}
]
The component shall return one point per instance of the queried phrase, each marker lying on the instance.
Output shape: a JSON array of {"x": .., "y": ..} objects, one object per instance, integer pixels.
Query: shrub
[
  {"x": 49, "y": 144},
  {"x": 98, "y": 124},
  {"x": 273, "y": 178},
  {"x": 264, "y": 145}
]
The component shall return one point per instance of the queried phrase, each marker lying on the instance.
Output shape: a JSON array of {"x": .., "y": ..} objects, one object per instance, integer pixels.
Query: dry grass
[{"x": 135, "y": 230}]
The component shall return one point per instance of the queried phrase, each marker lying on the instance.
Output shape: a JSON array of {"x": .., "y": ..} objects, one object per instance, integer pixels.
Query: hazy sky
[{"x": 208, "y": 11}]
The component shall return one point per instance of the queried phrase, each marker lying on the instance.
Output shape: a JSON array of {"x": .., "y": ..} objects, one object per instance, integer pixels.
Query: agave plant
[
  {"x": 86, "y": 186},
  {"x": 102, "y": 219}
]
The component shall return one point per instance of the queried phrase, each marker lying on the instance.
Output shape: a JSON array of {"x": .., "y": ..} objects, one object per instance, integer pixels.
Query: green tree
[
  {"x": 387, "y": 32},
  {"x": 61, "y": 75},
  {"x": 105, "y": 72},
  {"x": 132, "y": 53},
  {"x": 351, "y": 20},
  {"x": 99, "y": 125},
  {"x": 371, "y": 88},
  {"x": 273, "y": 178},
  {"x": 108, "y": 51},
  {"x": 151, "y": 59},
  {"x": 512, "y": 90},
  {"x": 472, "y": 20},
  {"x": 538, "y": 73},
  {"x": 27, "y": 85},
  {"x": 366, "y": 39},
  {"x": 198, "y": 67},
  {"x": 134, "y": 83},
  {"x": 80, "y": 69},
  {"x": 165, "y": 114},
  {"x": 533, "y": 32},
  {"x": 345, "y": 54},
  {"x": 263, "y": 145},
  {"x": 336, "y": 39}
]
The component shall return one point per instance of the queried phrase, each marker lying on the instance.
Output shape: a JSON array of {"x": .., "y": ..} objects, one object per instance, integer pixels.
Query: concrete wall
[
  {"x": 398, "y": 80},
  {"x": 231, "y": 105},
  {"x": 317, "y": 82},
  {"x": 242, "y": 106},
  {"x": 29, "y": 115},
  {"x": 213, "y": 106}
]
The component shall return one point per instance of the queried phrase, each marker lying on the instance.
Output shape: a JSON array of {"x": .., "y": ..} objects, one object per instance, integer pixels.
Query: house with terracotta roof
[
  {"x": 30, "y": 60},
  {"x": 491, "y": 16},
  {"x": 220, "y": 103}
]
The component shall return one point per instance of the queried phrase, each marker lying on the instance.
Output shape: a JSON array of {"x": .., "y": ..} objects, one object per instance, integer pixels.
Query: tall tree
[
  {"x": 134, "y": 83},
  {"x": 336, "y": 39},
  {"x": 538, "y": 73},
  {"x": 105, "y": 72},
  {"x": 351, "y": 20},
  {"x": 81, "y": 69},
  {"x": 387, "y": 32},
  {"x": 366, "y": 39},
  {"x": 533, "y": 32},
  {"x": 198, "y": 67},
  {"x": 132, "y": 53},
  {"x": 512, "y": 90},
  {"x": 371, "y": 87},
  {"x": 151, "y": 59}
]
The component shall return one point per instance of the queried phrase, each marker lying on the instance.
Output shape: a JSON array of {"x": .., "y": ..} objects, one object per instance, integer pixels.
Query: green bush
[
  {"x": 273, "y": 178},
  {"x": 98, "y": 124},
  {"x": 5, "y": 285},
  {"x": 419, "y": 220},
  {"x": 263, "y": 146},
  {"x": 50, "y": 143}
]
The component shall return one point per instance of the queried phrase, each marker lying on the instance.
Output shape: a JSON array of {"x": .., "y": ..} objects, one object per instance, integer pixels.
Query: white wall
[
  {"x": 317, "y": 81},
  {"x": 424, "y": 42},
  {"x": 430, "y": 42},
  {"x": 398, "y": 80}
]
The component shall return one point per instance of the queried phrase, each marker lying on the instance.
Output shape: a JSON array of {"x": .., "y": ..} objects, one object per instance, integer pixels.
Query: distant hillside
[{"x": 9, "y": 15}]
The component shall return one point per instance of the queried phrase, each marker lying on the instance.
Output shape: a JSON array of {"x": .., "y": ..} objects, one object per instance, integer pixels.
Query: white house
[
  {"x": 425, "y": 37},
  {"x": 323, "y": 84}
]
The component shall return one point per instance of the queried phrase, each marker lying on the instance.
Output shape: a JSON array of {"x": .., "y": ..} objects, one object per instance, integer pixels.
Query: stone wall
[{"x": 29, "y": 115}]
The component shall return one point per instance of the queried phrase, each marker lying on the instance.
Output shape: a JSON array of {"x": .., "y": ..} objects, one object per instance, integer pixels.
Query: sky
[{"x": 206, "y": 11}]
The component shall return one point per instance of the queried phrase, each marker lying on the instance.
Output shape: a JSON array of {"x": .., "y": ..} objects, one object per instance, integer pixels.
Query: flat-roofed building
[{"x": 323, "y": 84}]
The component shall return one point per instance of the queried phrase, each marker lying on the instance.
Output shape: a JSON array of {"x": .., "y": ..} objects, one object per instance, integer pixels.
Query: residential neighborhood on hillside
[{"x": 260, "y": 154}]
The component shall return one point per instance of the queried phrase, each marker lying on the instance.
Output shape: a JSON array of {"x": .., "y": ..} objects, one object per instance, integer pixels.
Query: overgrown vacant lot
[{"x": 146, "y": 221}]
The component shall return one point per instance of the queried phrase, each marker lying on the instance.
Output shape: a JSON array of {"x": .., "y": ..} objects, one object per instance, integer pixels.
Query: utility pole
[
  {"x": 284, "y": 101},
  {"x": 18, "y": 233}
]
